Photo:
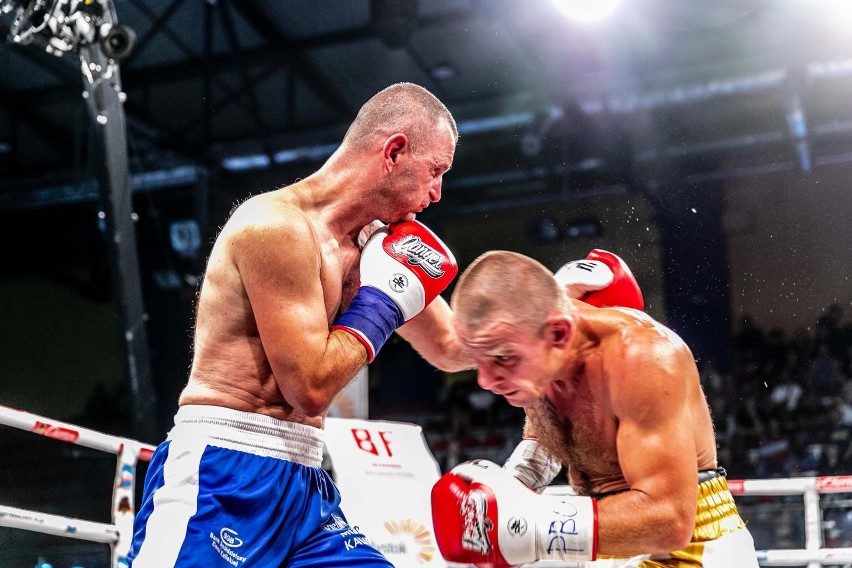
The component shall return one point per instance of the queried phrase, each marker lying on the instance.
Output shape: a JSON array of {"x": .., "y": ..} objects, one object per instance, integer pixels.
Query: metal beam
[
  {"x": 104, "y": 103},
  {"x": 314, "y": 76},
  {"x": 247, "y": 87}
]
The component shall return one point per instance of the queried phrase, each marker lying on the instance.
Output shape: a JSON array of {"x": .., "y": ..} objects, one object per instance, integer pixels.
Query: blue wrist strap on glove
[{"x": 371, "y": 317}]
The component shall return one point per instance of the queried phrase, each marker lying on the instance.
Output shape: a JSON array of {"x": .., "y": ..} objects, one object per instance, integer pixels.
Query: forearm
[
  {"x": 432, "y": 335},
  {"x": 312, "y": 388},
  {"x": 633, "y": 522}
]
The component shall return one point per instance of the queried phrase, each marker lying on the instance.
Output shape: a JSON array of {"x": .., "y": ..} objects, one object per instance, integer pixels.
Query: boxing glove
[
  {"x": 404, "y": 266},
  {"x": 532, "y": 464},
  {"x": 602, "y": 279},
  {"x": 482, "y": 515}
]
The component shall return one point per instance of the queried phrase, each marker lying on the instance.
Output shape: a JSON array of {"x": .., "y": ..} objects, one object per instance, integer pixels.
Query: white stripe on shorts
[{"x": 174, "y": 504}]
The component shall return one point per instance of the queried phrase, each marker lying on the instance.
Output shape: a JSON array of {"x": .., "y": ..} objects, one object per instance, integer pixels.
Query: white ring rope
[
  {"x": 118, "y": 534},
  {"x": 130, "y": 452}
]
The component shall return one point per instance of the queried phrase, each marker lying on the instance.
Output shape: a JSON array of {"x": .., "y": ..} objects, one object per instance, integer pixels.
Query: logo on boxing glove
[
  {"x": 398, "y": 283},
  {"x": 420, "y": 254},
  {"x": 517, "y": 526},
  {"x": 474, "y": 510}
]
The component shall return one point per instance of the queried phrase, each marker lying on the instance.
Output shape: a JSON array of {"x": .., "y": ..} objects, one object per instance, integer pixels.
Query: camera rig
[
  {"x": 89, "y": 29},
  {"x": 68, "y": 26}
]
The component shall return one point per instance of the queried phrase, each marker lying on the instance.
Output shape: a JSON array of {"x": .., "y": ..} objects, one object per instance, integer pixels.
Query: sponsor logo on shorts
[
  {"x": 420, "y": 254},
  {"x": 224, "y": 544},
  {"x": 353, "y": 538},
  {"x": 229, "y": 537},
  {"x": 335, "y": 524}
]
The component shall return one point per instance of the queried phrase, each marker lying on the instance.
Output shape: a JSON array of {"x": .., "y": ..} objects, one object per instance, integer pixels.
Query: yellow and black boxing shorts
[{"x": 720, "y": 538}]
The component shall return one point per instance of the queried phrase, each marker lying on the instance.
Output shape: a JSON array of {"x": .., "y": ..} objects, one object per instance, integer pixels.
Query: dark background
[{"x": 709, "y": 144}]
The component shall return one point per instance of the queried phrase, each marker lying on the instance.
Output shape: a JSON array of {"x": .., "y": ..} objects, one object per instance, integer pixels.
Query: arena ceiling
[{"x": 702, "y": 88}]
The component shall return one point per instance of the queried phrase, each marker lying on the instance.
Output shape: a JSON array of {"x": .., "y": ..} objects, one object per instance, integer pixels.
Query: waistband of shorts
[
  {"x": 717, "y": 513},
  {"x": 249, "y": 432},
  {"x": 708, "y": 474}
]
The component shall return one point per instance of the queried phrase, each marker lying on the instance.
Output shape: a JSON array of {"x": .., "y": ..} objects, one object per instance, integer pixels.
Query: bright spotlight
[
  {"x": 586, "y": 10},
  {"x": 840, "y": 10}
]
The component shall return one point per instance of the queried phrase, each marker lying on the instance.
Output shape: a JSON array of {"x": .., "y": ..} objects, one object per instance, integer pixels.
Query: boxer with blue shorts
[
  {"x": 303, "y": 286},
  {"x": 242, "y": 489}
]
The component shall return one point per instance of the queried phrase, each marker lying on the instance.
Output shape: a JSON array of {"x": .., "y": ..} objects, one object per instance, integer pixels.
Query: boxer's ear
[
  {"x": 395, "y": 146},
  {"x": 559, "y": 329}
]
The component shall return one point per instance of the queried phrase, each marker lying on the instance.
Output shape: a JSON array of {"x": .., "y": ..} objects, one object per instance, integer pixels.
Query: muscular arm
[
  {"x": 431, "y": 333},
  {"x": 280, "y": 269},
  {"x": 649, "y": 386}
]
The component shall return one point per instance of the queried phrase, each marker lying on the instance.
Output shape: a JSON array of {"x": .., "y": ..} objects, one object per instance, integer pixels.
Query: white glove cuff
[{"x": 566, "y": 528}]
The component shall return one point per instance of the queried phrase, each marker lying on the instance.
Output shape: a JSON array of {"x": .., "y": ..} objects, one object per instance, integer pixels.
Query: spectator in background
[
  {"x": 825, "y": 379},
  {"x": 838, "y": 337},
  {"x": 776, "y": 353},
  {"x": 772, "y": 456},
  {"x": 749, "y": 345},
  {"x": 785, "y": 397},
  {"x": 829, "y": 327}
]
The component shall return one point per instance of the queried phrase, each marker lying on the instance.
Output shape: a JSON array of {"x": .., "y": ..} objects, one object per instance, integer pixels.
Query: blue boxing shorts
[{"x": 237, "y": 489}]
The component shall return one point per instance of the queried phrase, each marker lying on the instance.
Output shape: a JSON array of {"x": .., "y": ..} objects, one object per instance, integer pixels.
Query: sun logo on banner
[{"x": 421, "y": 535}]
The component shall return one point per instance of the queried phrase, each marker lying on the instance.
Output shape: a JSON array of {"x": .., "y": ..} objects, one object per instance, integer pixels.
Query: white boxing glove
[
  {"x": 404, "y": 266},
  {"x": 601, "y": 279},
  {"x": 483, "y": 515}
]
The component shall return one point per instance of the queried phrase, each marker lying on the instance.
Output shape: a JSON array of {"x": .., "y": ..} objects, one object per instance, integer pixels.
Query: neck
[
  {"x": 582, "y": 341},
  {"x": 339, "y": 199}
]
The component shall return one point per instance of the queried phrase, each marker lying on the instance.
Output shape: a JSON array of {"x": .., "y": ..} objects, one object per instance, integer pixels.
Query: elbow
[
  {"x": 450, "y": 358},
  {"x": 310, "y": 401},
  {"x": 681, "y": 526}
]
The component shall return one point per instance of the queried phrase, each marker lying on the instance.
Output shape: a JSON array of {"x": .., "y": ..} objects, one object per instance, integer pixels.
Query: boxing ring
[
  {"x": 379, "y": 445},
  {"x": 128, "y": 452}
]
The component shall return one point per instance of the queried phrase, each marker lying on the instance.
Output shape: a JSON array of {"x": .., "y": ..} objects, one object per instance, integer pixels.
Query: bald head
[
  {"x": 402, "y": 107},
  {"x": 508, "y": 286}
]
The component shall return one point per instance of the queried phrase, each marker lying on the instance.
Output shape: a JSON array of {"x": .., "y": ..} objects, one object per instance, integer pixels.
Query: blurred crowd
[{"x": 785, "y": 407}]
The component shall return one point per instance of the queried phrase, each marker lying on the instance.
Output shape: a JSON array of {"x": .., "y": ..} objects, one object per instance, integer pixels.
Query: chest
[
  {"x": 340, "y": 276},
  {"x": 577, "y": 425}
]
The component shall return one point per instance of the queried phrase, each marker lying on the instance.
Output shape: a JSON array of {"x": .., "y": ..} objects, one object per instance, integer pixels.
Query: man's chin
[
  {"x": 410, "y": 217},
  {"x": 517, "y": 399}
]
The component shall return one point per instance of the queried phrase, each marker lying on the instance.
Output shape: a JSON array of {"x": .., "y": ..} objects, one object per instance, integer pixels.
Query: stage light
[
  {"x": 586, "y": 10},
  {"x": 840, "y": 9}
]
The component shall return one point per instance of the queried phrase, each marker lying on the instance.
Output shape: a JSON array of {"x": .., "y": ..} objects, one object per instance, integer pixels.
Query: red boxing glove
[
  {"x": 482, "y": 515},
  {"x": 404, "y": 266},
  {"x": 426, "y": 262},
  {"x": 602, "y": 279}
]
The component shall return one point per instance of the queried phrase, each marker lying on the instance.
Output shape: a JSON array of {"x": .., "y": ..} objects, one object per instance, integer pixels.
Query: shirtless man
[
  {"x": 282, "y": 326},
  {"x": 613, "y": 395}
]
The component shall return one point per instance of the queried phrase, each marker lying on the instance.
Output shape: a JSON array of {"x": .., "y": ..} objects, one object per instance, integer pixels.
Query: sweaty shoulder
[
  {"x": 646, "y": 339},
  {"x": 267, "y": 219},
  {"x": 632, "y": 341},
  {"x": 642, "y": 355}
]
